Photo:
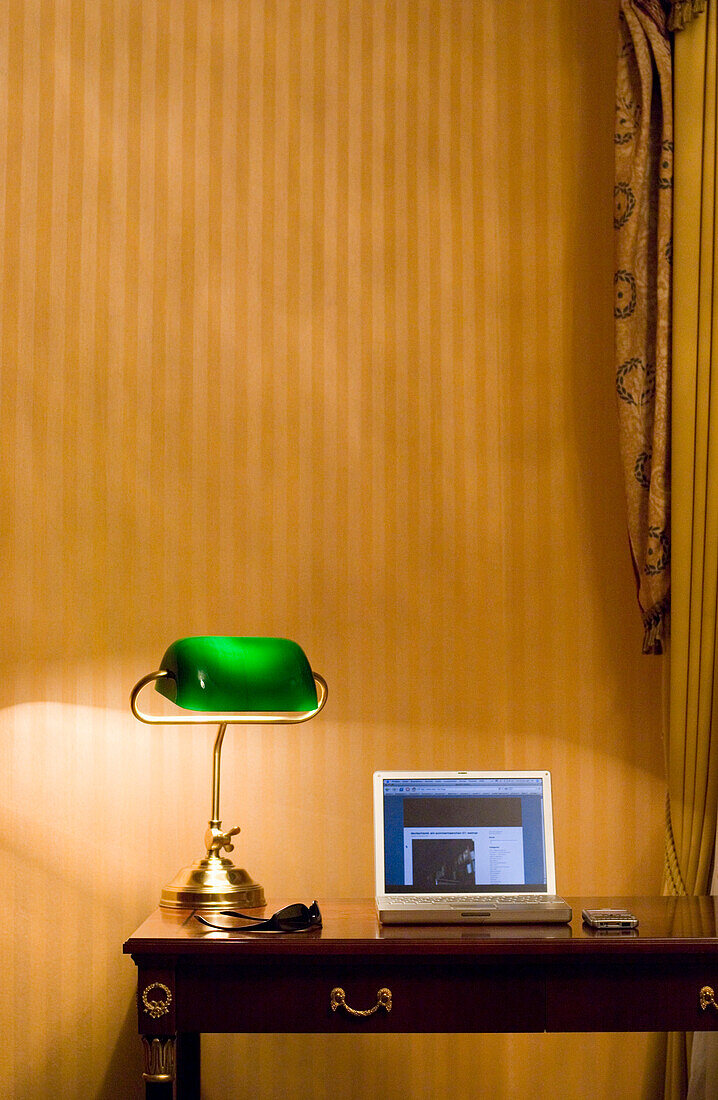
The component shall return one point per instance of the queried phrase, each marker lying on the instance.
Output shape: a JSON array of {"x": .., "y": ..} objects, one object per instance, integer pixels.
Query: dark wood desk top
[
  {"x": 460, "y": 978},
  {"x": 667, "y": 926}
]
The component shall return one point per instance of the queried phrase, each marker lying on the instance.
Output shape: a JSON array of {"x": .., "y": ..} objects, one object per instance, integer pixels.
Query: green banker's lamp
[{"x": 231, "y": 681}]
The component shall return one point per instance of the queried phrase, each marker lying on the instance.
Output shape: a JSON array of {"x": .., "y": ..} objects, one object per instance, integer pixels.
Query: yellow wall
[{"x": 307, "y": 330}]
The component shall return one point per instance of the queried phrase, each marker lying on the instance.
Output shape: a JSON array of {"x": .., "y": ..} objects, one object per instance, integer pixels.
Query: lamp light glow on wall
[{"x": 232, "y": 681}]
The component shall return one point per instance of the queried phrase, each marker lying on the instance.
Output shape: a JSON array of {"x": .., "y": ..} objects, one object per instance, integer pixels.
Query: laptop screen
[{"x": 464, "y": 833}]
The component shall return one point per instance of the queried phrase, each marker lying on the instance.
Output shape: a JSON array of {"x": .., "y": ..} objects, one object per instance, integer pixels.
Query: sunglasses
[{"x": 292, "y": 918}]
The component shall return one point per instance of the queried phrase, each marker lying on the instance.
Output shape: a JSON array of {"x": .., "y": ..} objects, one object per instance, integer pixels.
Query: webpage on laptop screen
[{"x": 464, "y": 834}]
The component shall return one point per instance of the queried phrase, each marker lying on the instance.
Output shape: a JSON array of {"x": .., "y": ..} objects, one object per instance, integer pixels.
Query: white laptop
[{"x": 465, "y": 847}]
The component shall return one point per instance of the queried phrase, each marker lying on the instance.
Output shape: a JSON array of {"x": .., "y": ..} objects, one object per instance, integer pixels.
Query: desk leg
[
  {"x": 172, "y": 1066},
  {"x": 188, "y": 1066},
  {"x": 159, "y": 1072},
  {"x": 158, "y": 1092}
]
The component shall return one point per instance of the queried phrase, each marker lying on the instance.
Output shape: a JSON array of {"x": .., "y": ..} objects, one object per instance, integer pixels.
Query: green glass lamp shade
[{"x": 238, "y": 674}]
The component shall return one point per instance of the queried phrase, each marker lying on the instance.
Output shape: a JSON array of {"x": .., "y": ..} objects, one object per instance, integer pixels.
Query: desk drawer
[
  {"x": 283, "y": 997},
  {"x": 630, "y": 994}
]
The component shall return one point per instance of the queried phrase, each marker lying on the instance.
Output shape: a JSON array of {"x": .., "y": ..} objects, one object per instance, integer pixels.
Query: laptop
[{"x": 465, "y": 848}]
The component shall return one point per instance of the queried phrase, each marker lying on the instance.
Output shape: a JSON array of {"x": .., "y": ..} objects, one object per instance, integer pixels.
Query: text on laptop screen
[{"x": 455, "y": 835}]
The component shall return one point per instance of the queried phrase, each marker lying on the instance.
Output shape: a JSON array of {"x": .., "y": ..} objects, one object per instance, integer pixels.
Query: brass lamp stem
[
  {"x": 215, "y": 820},
  {"x": 215, "y": 839}
]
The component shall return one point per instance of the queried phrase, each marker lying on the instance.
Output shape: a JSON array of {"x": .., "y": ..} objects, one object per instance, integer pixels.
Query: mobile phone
[{"x": 610, "y": 918}]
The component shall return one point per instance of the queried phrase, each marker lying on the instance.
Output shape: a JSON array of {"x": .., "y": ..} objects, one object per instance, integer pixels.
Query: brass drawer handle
[
  {"x": 338, "y": 999},
  {"x": 707, "y": 997}
]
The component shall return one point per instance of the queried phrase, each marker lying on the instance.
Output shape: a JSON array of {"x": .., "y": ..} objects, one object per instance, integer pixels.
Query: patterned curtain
[
  {"x": 642, "y": 281},
  {"x": 682, "y": 11},
  {"x": 649, "y": 398}
]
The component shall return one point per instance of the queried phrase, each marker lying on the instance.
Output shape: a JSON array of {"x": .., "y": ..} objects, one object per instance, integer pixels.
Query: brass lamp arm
[{"x": 229, "y": 719}]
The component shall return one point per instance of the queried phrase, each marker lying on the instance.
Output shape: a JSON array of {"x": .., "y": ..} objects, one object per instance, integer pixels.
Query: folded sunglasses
[{"x": 292, "y": 918}]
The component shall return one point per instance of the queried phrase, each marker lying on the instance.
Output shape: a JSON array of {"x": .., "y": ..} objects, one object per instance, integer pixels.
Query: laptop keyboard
[{"x": 471, "y": 899}]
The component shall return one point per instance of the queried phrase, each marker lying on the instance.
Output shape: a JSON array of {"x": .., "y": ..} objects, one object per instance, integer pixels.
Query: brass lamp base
[{"x": 212, "y": 883}]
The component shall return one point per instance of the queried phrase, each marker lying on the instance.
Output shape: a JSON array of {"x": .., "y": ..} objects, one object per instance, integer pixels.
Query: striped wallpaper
[{"x": 305, "y": 329}]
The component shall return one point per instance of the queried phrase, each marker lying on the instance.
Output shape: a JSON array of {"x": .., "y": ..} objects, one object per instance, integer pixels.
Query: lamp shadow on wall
[{"x": 125, "y": 1063}]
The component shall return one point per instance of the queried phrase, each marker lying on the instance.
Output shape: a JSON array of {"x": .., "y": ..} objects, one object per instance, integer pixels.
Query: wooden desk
[{"x": 441, "y": 979}]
